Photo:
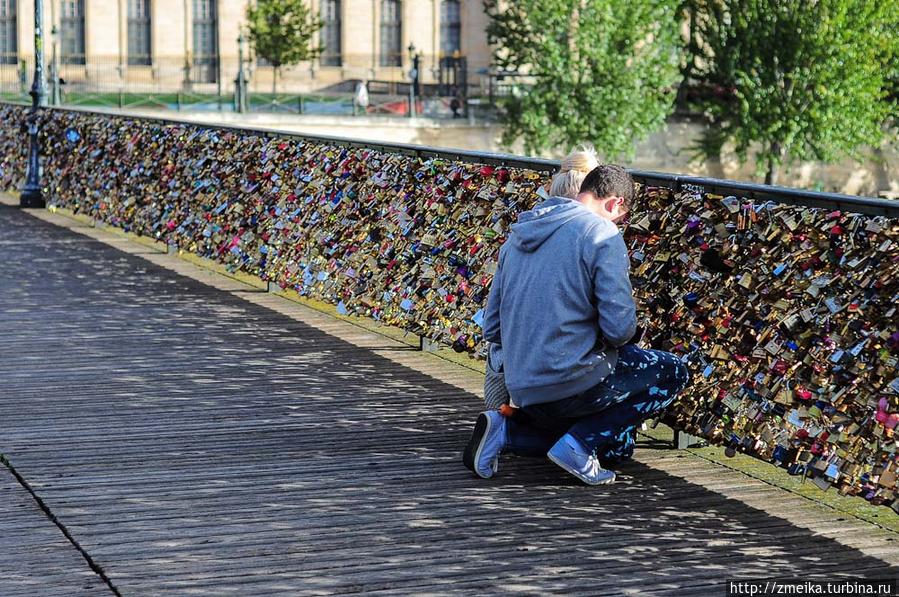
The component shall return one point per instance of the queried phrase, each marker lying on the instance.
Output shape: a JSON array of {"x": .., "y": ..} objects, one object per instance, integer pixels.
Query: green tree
[
  {"x": 281, "y": 32},
  {"x": 794, "y": 79},
  {"x": 603, "y": 71}
]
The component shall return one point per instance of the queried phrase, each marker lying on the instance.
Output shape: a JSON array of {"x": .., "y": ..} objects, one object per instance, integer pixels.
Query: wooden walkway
[
  {"x": 35, "y": 556},
  {"x": 207, "y": 438}
]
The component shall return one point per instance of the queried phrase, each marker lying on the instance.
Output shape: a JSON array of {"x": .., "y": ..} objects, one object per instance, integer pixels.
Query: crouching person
[{"x": 562, "y": 309}]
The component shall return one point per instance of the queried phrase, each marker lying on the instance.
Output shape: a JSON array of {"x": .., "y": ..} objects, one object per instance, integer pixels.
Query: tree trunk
[
  {"x": 680, "y": 101},
  {"x": 772, "y": 173},
  {"x": 774, "y": 158},
  {"x": 713, "y": 166},
  {"x": 881, "y": 176},
  {"x": 274, "y": 81}
]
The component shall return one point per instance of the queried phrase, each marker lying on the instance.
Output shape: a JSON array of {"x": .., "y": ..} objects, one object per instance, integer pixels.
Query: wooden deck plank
[
  {"x": 35, "y": 556},
  {"x": 199, "y": 439}
]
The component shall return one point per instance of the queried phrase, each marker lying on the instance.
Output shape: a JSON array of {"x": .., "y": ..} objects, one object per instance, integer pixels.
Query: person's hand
[
  {"x": 637, "y": 338},
  {"x": 602, "y": 345}
]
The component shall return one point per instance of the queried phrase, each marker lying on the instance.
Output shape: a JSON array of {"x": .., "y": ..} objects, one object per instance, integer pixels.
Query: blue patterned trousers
[{"x": 643, "y": 383}]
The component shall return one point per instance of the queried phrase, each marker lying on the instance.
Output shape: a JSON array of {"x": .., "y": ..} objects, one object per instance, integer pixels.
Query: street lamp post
[
  {"x": 31, "y": 195},
  {"x": 55, "y": 95},
  {"x": 241, "y": 82},
  {"x": 413, "y": 78}
]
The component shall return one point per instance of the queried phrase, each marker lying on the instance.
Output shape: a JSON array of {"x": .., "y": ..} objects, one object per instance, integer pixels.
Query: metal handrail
[{"x": 677, "y": 182}]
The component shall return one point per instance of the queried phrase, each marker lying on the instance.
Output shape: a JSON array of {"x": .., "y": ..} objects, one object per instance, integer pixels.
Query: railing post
[
  {"x": 683, "y": 440},
  {"x": 427, "y": 345},
  {"x": 31, "y": 195}
]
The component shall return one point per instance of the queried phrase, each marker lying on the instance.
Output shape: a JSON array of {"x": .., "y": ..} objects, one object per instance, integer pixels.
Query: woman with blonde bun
[
  {"x": 573, "y": 169},
  {"x": 565, "y": 183}
]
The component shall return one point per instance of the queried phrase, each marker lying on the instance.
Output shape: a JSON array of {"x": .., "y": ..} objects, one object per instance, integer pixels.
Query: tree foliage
[
  {"x": 282, "y": 31},
  {"x": 602, "y": 71},
  {"x": 795, "y": 79}
]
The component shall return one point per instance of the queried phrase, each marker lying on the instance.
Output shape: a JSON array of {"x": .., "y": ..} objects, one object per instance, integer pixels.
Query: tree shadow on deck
[{"x": 191, "y": 440}]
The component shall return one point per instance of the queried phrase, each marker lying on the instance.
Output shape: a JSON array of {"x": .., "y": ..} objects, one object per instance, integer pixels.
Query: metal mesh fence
[{"x": 446, "y": 87}]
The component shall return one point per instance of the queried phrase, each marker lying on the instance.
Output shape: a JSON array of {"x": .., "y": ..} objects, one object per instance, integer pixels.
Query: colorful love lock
[{"x": 785, "y": 315}]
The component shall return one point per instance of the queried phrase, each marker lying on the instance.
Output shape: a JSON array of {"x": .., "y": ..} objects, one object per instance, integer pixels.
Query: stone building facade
[{"x": 175, "y": 43}]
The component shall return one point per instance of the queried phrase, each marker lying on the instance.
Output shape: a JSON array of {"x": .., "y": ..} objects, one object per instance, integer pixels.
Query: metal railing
[{"x": 676, "y": 182}]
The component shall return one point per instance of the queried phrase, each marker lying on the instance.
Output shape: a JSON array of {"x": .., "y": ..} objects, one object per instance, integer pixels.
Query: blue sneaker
[
  {"x": 488, "y": 439},
  {"x": 570, "y": 454}
]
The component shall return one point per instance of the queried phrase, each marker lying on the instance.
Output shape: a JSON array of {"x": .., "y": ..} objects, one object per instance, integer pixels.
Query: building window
[
  {"x": 331, "y": 33},
  {"x": 139, "y": 32},
  {"x": 391, "y": 33},
  {"x": 71, "y": 32},
  {"x": 450, "y": 27},
  {"x": 205, "y": 42},
  {"x": 8, "y": 36}
]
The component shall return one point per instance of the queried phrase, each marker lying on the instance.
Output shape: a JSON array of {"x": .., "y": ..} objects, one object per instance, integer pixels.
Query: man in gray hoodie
[{"x": 562, "y": 308}]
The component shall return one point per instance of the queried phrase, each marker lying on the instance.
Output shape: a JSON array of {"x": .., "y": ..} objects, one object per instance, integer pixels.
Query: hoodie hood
[{"x": 537, "y": 225}]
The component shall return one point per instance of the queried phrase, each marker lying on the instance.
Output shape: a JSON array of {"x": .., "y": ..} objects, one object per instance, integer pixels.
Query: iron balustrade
[{"x": 676, "y": 182}]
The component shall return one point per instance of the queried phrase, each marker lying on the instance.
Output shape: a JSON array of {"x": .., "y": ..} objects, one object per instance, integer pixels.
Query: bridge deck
[{"x": 197, "y": 436}]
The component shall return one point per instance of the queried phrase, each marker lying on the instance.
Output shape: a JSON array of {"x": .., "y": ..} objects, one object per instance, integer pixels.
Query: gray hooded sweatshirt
[{"x": 560, "y": 303}]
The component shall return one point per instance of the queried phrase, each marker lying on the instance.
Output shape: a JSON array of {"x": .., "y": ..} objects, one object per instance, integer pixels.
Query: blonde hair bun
[
  {"x": 575, "y": 167},
  {"x": 582, "y": 159}
]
